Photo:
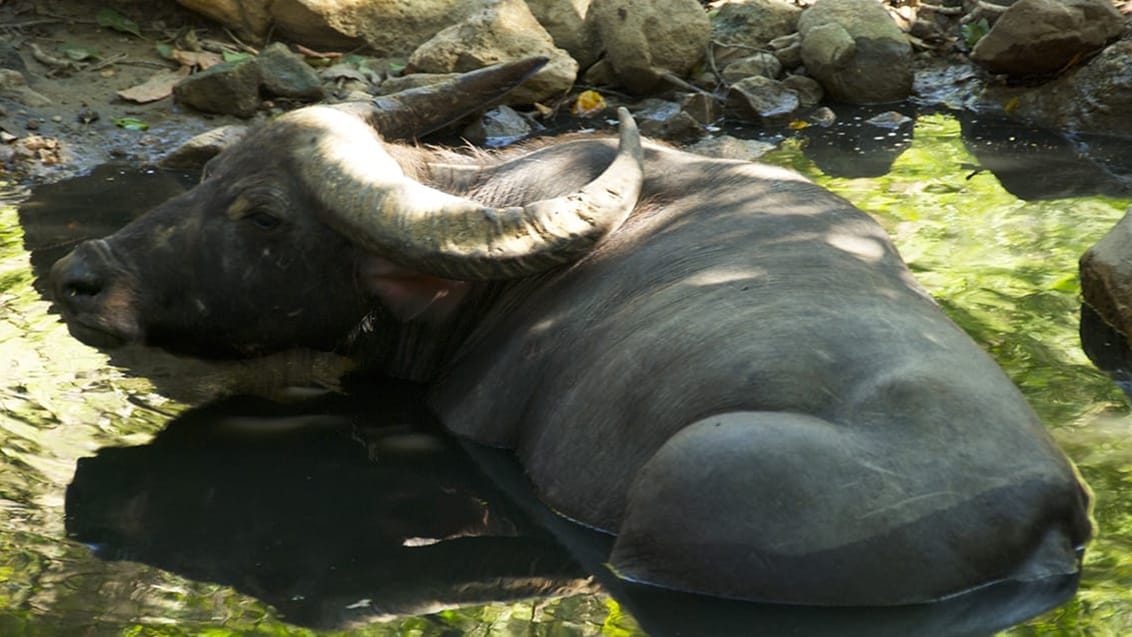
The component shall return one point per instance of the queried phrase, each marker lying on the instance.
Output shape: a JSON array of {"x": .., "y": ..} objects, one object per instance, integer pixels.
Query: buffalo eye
[{"x": 263, "y": 220}]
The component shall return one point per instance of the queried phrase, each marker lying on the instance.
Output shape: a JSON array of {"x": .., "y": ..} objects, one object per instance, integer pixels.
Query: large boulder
[
  {"x": 1039, "y": 37},
  {"x": 856, "y": 51},
  {"x": 1096, "y": 97},
  {"x": 250, "y": 19},
  {"x": 741, "y": 27},
  {"x": 1106, "y": 276},
  {"x": 565, "y": 21},
  {"x": 643, "y": 40},
  {"x": 505, "y": 30},
  {"x": 390, "y": 27}
]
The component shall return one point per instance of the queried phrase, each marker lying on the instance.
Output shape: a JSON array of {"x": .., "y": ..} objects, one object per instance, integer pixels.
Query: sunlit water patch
[{"x": 1003, "y": 267}]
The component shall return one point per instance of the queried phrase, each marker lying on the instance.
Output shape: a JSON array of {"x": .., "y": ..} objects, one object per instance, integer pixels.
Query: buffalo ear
[{"x": 408, "y": 294}]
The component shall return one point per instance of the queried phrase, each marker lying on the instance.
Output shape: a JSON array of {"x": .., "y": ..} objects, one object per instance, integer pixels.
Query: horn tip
[{"x": 627, "y": 130}]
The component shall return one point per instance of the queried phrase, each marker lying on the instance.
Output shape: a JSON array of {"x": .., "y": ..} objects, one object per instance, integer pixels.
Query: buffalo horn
[
  {"x": 419, "y": 111},
  {"x": 366, "y": 197}
]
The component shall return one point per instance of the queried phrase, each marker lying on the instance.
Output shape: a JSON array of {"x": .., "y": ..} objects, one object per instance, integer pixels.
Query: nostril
[
  {"x": 82, "y": 287},
  {"x": 74, "y": 281}
]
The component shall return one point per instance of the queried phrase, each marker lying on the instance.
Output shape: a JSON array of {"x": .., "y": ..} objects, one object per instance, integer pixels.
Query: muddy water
[{"x": 125, "y": 511}]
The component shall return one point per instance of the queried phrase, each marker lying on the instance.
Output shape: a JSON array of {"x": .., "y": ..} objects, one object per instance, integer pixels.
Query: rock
[
  {"x": 856, "y": 52},
  {"x": 565, "y": 21},
  {"x": 393, "y": 85},
  {"x": 398, "y": 27},
  {"x": 667, "y": 120},
  {"x": 231, "y": 88},
  {"x": 320, "y": 24},
  {"x": 389, "y": 27},
  {"x": 643, "y": 40},
  {"x": 808, "y": 90},
  {"x": 753, "y": 24},
  {"x": 285, "y": 74},
  {"x": 705, "y": 109},
  {"x": 1096, "y": 97},
  {"x": 10, "y": 57},
  {"x": 1040, "y": 37},
  {"x": 250, "y": 19},
  {"x": 1106, "y": 276},
  {"x": 891, "y": 120},
  {"x": 728, "y": 147},
  {"x": 758, "y": 98},
  {"x": 500, "y": 126},
  {"x": 600, "y": 74},
  {"x": 788, "y": 50},
  {"x": 763, "y": 64},
  {"x": 13, "y": 86},
  {"x": 194, "y": 153},
  {"x": 504, "y": 31}
]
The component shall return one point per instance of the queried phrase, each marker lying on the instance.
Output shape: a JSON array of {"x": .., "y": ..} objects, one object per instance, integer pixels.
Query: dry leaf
[
  {"x": 155, "y": 88},
  {"x": 588, "y": 103},
  {"x": 199, "y": 59}
]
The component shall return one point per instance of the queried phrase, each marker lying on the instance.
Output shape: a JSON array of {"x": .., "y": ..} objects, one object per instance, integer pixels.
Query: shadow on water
[
  {"x": 343, "y": 509},
  {"x": 60, "y": 215}
]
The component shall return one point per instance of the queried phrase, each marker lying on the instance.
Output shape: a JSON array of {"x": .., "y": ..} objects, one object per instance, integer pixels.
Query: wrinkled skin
[{"x": 743, "y": 382}]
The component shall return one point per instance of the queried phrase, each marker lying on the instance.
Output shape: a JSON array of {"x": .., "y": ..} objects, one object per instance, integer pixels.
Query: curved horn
[
  {"x": 373, "y": 203},
  {"x": 419, "y": 111}
]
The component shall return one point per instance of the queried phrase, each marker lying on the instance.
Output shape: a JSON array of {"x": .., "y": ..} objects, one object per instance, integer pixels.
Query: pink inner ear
[{"x": 407, "y": 294}]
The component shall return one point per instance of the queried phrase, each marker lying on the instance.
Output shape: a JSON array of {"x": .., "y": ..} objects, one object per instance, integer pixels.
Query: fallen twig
[
  {"x": 982, "y": 9},
  {"x": 113, "y": 59},
  {"x": 240, "y": 44},
  {"x": 30, "y": 23},
  {"x": 45, "y": 58},
  {"x": 935, "y": 8}
]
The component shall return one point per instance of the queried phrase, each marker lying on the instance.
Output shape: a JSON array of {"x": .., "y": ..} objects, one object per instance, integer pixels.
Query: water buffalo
[{"x": 721, "y": 362}]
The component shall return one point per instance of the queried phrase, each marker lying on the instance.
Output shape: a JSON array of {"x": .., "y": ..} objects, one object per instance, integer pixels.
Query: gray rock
[
  {"x": 14, "y": 86},
  {"x": 1039, "y": 37},
  {"x": 1106, "y": 276},
  {"x": 762, "y": 64},
  {"x": 856, "y": 51},
  {"x": 808, "y": 89},
  {"x": 393, "y": 85},
  {"x": 194, "y": 153},
  {"x": 705, "y": 109},
  {"x": 788, "y": 50},
  {"x": 759, "y": 98},
  {"x": 285, "y": 74},
  {"x": 10, "y": 58},
  {"x": 504, "y": 30},
  {"x": 891, "y": 120},
  {"x": 499, "y": 126},
  {"x": 667, "y": 120},
  {"x": 231, "y": 88},
  {"x": 754, "y": 23},
  {"x": 565, "y": 21},
  {"x": 728, "y": 147},
  {"x": 643, "y": 40},
  {"x": 1096, "y": 97},
  {"x": 389, "y": 27}
]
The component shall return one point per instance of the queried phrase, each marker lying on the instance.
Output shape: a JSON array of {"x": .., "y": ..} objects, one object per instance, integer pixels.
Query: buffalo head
[{"x": 313, "y": 228}]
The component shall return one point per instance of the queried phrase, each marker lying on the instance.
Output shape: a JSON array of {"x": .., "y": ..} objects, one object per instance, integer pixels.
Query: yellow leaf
[{"x": 588, "y": 103}]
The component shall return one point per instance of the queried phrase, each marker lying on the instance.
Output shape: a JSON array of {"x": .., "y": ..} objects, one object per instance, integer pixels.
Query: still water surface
[{"x": 126, "y": 512}]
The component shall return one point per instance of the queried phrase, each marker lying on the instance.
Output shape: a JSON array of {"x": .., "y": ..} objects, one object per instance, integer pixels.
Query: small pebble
[
  {"x": 32, "y": 124},
  {"x": 57, "y": 118}
]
